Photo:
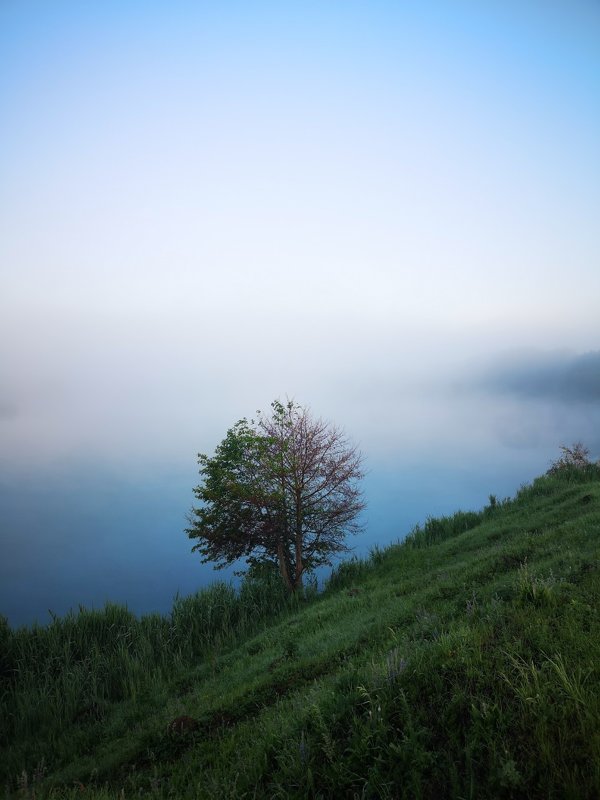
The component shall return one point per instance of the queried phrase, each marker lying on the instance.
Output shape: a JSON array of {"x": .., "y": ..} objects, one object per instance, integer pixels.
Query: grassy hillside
[{"x": 463, "y": 663}]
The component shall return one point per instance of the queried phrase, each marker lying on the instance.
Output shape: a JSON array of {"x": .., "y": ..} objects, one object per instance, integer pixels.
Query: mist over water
[
  {"x": 96, "y": 481},
  {"x": 84, "y": 534}
]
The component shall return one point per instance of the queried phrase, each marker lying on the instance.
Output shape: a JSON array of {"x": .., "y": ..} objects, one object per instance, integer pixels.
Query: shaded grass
[{"x": 463, "y": 663}]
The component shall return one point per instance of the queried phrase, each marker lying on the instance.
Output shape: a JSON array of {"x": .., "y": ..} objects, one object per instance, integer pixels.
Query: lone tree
[{"x": 281, "y": 490}]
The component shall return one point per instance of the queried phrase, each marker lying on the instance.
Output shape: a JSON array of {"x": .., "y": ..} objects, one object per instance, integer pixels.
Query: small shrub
[{"x": 576, "y": 456}]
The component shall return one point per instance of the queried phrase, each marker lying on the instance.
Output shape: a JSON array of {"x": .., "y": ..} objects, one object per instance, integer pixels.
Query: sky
[{"x": 387, "y": 211}]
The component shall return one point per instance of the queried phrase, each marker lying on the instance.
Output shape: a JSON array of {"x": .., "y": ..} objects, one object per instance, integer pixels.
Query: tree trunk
[
  {"x": 298, "y": 579},
  {"x": 283, "y": 567},
  {"x": 298, "y": 542}
]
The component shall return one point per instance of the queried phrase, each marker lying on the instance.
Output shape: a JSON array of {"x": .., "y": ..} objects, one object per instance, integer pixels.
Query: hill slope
[{"x": 462, "y": 663}]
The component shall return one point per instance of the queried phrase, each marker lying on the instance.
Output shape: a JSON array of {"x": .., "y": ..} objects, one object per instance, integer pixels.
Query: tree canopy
[{"x": 281, "y": 490}]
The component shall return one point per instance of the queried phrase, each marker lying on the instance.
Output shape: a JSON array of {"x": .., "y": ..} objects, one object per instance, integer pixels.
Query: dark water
[{"x": 85, "y": 536}]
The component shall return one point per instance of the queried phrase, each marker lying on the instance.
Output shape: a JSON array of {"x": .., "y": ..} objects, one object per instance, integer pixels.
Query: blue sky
[{"x": 370, "y": 207}]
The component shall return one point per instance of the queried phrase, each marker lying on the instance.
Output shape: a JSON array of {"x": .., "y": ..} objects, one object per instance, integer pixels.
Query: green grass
[{"x": 463, "y": 663}]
